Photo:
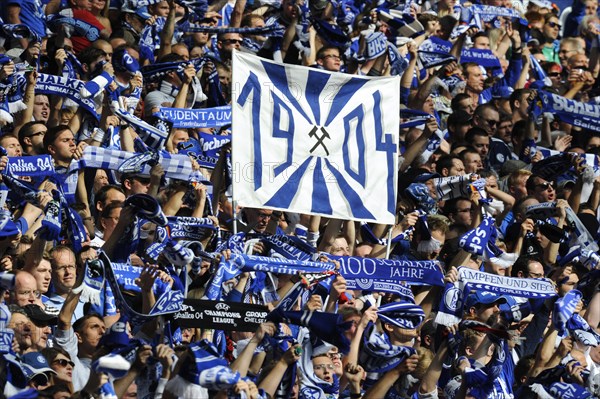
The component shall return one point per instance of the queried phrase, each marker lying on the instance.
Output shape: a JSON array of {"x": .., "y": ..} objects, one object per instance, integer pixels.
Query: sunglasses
[
  {"x": 545, "y": 186},
  {"x": 492, "y": 122},
  {"x": 554, "y": 25},
  {"x": 233, "y": 41},
  {"x": 63, "y": 362},
  {"x": 554, "y": 74}
]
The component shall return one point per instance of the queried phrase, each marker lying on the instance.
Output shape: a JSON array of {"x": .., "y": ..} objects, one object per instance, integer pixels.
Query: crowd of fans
[{"x": 472, "y": 154}]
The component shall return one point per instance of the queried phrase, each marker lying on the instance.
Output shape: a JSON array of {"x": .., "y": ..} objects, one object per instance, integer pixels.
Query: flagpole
[
  {"x": 234, "y": 204},
  {"x": 388, "y": 249}
]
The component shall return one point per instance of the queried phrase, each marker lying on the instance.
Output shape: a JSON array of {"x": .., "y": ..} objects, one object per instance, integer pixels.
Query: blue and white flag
[
  {"x": 192, "y": 118},
  {"x": 34, "y": 166},
  {"x": 573, "y": 112},
  {"x": 315, "y": 142},
  {"x": 65, "y": 87}
]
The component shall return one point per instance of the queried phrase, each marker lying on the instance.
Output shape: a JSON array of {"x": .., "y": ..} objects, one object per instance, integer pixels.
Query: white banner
[{"x": 310, "y": 141}]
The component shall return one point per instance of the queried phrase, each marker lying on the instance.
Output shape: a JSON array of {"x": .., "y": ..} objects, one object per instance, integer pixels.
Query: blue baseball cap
[
  {"x": 483, "y": 297},
  {"x": 34, "y": 363}
]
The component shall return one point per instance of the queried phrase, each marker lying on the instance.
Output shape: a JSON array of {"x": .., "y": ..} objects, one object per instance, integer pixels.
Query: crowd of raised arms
[{"x": 128, "y": 271}]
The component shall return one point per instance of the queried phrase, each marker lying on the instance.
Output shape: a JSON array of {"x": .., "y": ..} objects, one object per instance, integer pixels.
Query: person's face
[
  {"x": 578, "y": 61},
  {"x": 340, "y": 247},
  {"x": 100, "y": 180},
  {"x": 196, "y": 52},
  {"x": 551, "y": 29},
  {"x": 466, "y": 105},
  {"x": 23, "y": 328},
  {"x": 107, "y": 48},
  {"x": 40, "y": 336},
  {"x": 63, "y": 147},
  {"x": 12, "y": 146},
  {"x": 98, "y": 5},
  {"x": 43, "y": 275},
  {"x": 593, "y": 143},
  {"x": 336, "y": 359},
  {"x": 63, "y": 367},
  {"x": 569, "y": 285},
  {"x": 259, "y": 218},
  {"x": 26, "y": 290},
  {"x": 139, "y": 185},
  {"x": 180, "y": 136},
  {"x": 519, "y": 190},
  {"x": 591, "y": 6},
  {"x": 457, "y": 169},
  {"x": 472, "y": 163},
  {"x": 482, "y": 43},
  {"x": 83, "y": 4},
  {"x": 544, "y": 190},
  {"x": 566, "y": 50},
  {"x": 91, "y": 332},
  {"x": 110, "y": 222},
  {"x": 475, "y": 79},
  {"x": 354, "y": 321},
  {"x": 64, "y": 271},
  {"x": 161, "y": 9},
  {"x": 131, "y": 392},
  {"x": 230, "y": 42},
  {"x": 224, "y": 77},
  {"x": 484, "y": 312},
  {"x": 187, "y": 334},
  {"x": 439, "y": 236},
  {"x": 481, "y": 145},
  {"x": 428, "y": 105},
  {"x": 182, "y": 51},
  {"x": 324, "y": 368},
  {"x": 289, "y": 9},
  {"x": 36, "y": 139},
  {"x": 330, "y": 60},
  {"x": 503, "y": 132},
  {"x": 464, "y": 212},
  {"x": 489, "y": 121},
  {"x": 554, "y": 75},
  {"x": 41, "y": 108},
  {"x": 535, "y": 270},
  {"x": 113, "y": 195}
]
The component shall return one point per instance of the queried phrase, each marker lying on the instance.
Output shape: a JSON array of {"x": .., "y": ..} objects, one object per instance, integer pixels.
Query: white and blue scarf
[
  {"x": 453, "y": 297},
  {"x": 194, "y": 118}
]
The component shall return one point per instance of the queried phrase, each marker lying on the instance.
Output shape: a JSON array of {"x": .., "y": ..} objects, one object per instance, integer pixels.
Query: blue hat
[
  {"x": 402, "y": 314},
  {"x": 7, "y": 226},
  {"x": 483, "y": 297},
  {"x": 34, "y": 363}
]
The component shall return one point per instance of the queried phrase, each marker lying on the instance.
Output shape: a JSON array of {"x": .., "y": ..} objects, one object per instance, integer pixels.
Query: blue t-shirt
[{"x": 31, "y": 14}]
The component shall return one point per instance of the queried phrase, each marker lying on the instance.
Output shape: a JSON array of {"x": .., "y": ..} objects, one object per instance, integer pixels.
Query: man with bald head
[{"x": 25, "y": 291}]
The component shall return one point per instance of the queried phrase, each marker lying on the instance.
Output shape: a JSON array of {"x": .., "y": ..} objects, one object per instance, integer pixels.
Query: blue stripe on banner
[
  {"x": 357, "y": 114},
  {"x": 360, "y": 211},
  {"x": 343, "y": 96},
  {"x": 320, "y": 195},
  {"x": 385, "y": 142},
  {"x": 317, "y": 82},
  {"x": 287, "y": 134},
  {"x": 253, "y": 85},
  {"x": 284, "y": 196},
  {"x": 278, "y": 77}
]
